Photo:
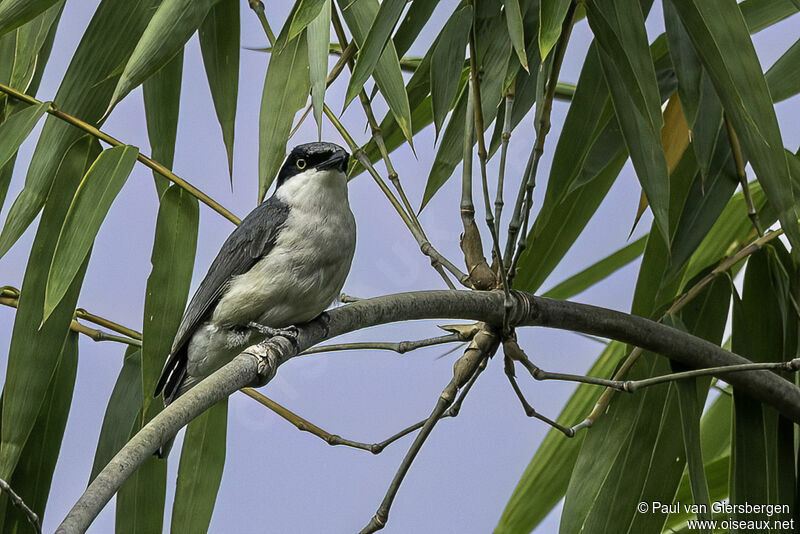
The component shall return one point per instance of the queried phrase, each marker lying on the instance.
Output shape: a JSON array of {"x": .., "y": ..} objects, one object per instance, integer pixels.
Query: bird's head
[{"x": 316, "y": 158}]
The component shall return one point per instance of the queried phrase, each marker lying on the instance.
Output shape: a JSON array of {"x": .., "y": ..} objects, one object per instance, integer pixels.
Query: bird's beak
[{"x": 337, "y": 161}]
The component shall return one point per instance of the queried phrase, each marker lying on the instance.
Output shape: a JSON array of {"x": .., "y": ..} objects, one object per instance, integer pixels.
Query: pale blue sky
[{"x": 276, "y": 478}]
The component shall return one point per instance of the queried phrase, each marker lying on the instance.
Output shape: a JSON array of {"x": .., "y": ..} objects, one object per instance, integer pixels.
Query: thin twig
[
  {"x": 738, "y": 159},
  {"x": 17, "y": 501},
  {"x": 377, "y": 136},
  {"x": 480, "y": 349},
  {"x": 425, "y": 245},
  {"x": 258, "y": 7},
  {"x": 542, "y": 129},
  {"x": 529, "y": 410},
  {"x": 491, "y": 222},
  {"x": 146, "y": 161},
  {"x": 75, "y": 326},
  {"x": 506, "y": 137}
]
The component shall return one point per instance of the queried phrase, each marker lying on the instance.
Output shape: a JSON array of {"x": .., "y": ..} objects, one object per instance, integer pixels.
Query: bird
[{"x": 282, "y": 266}]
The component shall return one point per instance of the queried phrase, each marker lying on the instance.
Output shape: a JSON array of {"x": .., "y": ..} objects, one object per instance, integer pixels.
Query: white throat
[{"x": 326, "y": 188}]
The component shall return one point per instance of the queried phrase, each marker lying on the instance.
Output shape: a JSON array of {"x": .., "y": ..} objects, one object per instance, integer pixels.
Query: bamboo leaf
[
  {"x": 319, "y": 31},
  {"x": 171, "y": 26},
  {"x": 360, "y": 16},
  {"x": 416, "y": 17},
  {"x": 167, "y": 290},
  {"x": 84, "y": 92},
  {"x": 140, "y": 500},
  {"x": 493, "y": 50},
  {"x": 516, "y": 32},
  {"x": 200, "y": 470},
  {"x": 35, "y": 347},
  {"x": 631, "y": 79},
  {"x": 219, "y": 43},
  {"x": 447, "y": 63},
  {"x": 15, "y": 13},
  {"x": 120, "y": 416},
  {"x": 552, "y": 14},
  {"x": 15, "y": 129},
  {"x": 95, "y": 194},
  {"x": 720, "y": 38},
  {"x": 286, "y": 88},
  {"x": 757, "y": 335},
  {"x": 29, "y": 41},
  {"x": 597, "y": 272},
  {"x": 162, "y": 100},
  {"x": 761, "y": 14},
  {"x": 34, "y": 473},
  {"x": 690, "y": 422},
  {"x": 783, "y": 77},
  {"x": 306, "y": 12},
  {"x": 372, "y": 46}
]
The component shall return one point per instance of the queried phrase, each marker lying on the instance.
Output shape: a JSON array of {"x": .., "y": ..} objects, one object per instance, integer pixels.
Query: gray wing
[{"x": 248, "y": 243}]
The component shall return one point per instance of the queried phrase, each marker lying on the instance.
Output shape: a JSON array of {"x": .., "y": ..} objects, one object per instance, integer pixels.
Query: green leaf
[
  {"x": 556, "y": 229},
  {"x": 552, "y": 14},
  {"x": 34, "y": 472},
  {"x": 95, "y": 194},
  {"x": 200, "y": 470},
  {"x": 167, "y": 290},
  {"x": 35, "y": 347},
  {"x": 690, "y": 421},
  {"x": 783, "y": 77},
  {"x": 319, "y": 31},
  {"x": 162, "y": 100},
  {"x": 447, "y": 63},
  {"x": 688, "y": 68},
  {"x": 516, "y": 32},
  {"x": 171, "y": 26},
  {"x": 15, "y": 13},
  {"x": 632, "y": 83},
  {"x": 416, "y": 17},
  {"x": 371, "y": 48},
  {"x": 219, "y": 43},
  {"x": 286, "y": 88},
  {"x": 84, "y": 92},
  {"x": 755, "y": 336},
  {"x": 761, "y": 14},
  {"x": 15, "y": 129},
  {"x": 545, "y": 479},
  {"x": 123, "y": 406},
  {"x": 29, "y": 41},
  {"x": 360, "y": 17},
  {"x": 493, "y": 50},
  {"x": 140, "y": 500},
  {"x": 721, "y": 39},
  {"x": 717, "y": 477},
  {"x": 306, "y": 12},
  {"x": 597, "y": 272}
]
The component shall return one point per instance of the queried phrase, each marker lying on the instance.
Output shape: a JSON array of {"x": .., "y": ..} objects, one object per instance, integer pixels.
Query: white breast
[{"x": 306, "y": 269}]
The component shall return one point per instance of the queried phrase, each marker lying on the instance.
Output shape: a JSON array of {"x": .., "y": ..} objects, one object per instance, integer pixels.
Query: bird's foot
[{"x": 290, "y": 332}]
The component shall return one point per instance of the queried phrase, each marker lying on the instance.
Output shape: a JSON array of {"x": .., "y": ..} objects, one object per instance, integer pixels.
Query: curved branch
[{"x": 260, "y": 362}]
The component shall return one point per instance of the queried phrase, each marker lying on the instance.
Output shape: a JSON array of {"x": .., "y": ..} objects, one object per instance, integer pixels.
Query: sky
[{"x": 278, "y": 479}]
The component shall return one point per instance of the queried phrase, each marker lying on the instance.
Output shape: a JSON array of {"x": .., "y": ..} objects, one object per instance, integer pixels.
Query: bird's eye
[{"x": 301, "y": 164}]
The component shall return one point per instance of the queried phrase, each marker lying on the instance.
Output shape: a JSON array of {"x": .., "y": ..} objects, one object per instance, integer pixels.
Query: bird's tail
[{"x": 172, "y": 384}]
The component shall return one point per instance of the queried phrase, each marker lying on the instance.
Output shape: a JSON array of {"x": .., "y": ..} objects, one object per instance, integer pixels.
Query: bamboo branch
[
  {"x": 146, "y": 161},
  {"x": 258, "y": 8},
  {"x": 259, "y": 363}
]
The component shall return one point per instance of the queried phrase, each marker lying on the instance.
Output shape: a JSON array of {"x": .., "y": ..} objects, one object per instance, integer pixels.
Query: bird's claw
[{"x": 290, "y": 332}]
